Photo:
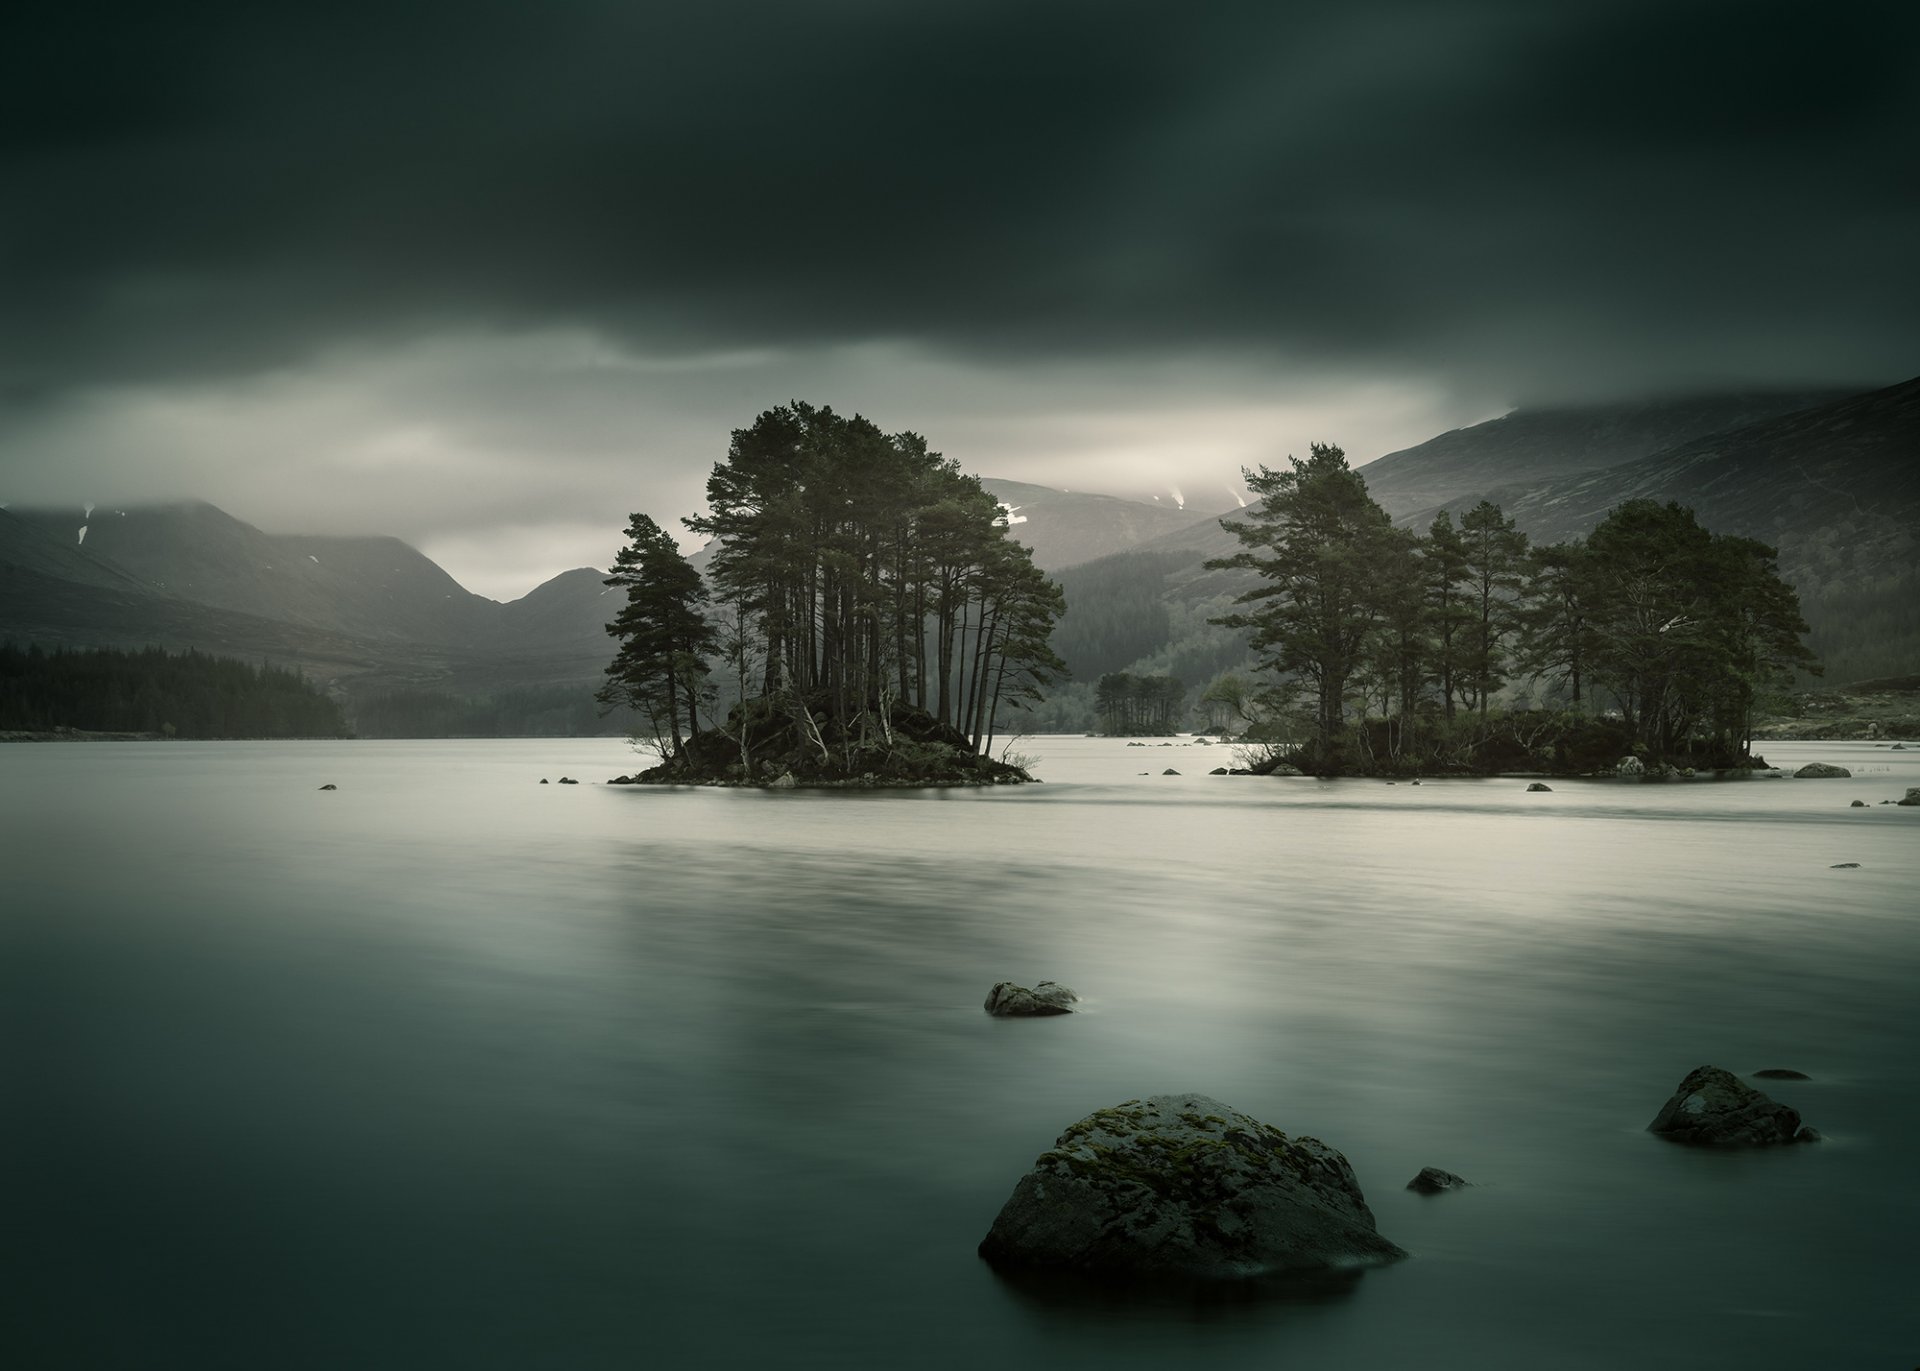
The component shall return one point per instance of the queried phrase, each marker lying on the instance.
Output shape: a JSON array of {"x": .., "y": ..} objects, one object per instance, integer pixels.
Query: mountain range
[{"x": 1831, "y": 479}]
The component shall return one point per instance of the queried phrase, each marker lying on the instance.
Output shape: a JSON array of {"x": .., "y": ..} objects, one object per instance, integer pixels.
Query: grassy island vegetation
[
  {"x": 873, "y": 620},
  {"x": 160, "y": 694},
  {"x": 1652, "y": 636}
]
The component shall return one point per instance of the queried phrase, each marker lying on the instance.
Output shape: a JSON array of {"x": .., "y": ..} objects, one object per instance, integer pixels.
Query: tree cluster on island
[
  {"x": 867, "y": 609},
  {"x": 1131, "y": 706},
  {"x": 163, "y": 694},
  {"x": 1657, "y": 637}
]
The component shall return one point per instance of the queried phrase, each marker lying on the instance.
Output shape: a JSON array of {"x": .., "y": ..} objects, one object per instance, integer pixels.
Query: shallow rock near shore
[
  {"x": 1912, "y": 797},
  {"x": 1181, "y": 1187},
  {"x": 1009, "y": 1001},
  {"x": 1433, "y": 1181},
  {"x": 1821, "y": 771},
  {"x": 1538, "y": 787},
  {"x": 1715, "y": 1108}
]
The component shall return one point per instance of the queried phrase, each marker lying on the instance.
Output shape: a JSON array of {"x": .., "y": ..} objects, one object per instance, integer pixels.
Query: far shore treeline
[
  {"x": 151, "y": 691},
  {"x": 873, "y": 620},
  {"x": 1391, "y": 649}
]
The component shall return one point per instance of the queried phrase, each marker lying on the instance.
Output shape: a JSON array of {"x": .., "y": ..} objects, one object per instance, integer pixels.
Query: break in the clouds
[{"x": 363, "y": 257}]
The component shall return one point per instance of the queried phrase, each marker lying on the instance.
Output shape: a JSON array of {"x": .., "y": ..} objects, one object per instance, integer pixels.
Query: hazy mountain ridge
[
  {"x": 1064, "y": 528},
  {"x": 360, "y": 614},
  {"x": 1841, "y": 471},
  {"x": 364, "y": 586},
  {"x": 1529, "y": 446}
]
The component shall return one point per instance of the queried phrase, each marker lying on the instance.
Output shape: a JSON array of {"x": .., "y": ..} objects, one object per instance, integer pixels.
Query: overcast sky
[{"x": 488, "y": 276}]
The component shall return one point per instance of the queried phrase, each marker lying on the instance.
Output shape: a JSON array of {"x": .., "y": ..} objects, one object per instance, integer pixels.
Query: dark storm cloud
[{"x": 1566, "y": 197}]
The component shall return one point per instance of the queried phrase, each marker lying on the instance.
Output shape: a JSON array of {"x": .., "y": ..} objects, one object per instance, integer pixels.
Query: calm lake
[{"x": 447, "y": 1068}]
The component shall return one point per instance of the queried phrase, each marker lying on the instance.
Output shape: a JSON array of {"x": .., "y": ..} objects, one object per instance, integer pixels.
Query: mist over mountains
[{"x": 1831, "y": 480}]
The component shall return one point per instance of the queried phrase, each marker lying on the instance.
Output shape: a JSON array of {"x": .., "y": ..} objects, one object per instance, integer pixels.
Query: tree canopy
[
  {"x": 860, "y": 574},
  {"x": 1678, "y": 629}
]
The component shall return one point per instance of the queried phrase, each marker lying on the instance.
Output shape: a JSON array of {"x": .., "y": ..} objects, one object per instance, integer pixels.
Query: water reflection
[{"x": 494, "y": 1074}]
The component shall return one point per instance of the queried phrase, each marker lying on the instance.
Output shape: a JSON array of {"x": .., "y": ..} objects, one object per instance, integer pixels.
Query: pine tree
[
  {"x": 1496, "y": 561},
  {"x": 660, "y": 668},
  {"x": 1317, "y": 539}
]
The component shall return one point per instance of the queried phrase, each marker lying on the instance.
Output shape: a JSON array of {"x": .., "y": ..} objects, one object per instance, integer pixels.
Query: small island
[{"x": 872, "y": 620}]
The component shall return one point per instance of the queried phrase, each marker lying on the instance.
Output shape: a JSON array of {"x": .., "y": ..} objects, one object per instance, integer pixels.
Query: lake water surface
[{"x": 447, "y": 1068}]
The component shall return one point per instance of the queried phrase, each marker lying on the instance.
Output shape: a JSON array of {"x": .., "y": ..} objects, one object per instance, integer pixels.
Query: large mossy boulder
[
  {"x": 1715, "y": 1108},
  {"x": 1181, "y": 1187},
  {"x": 1822, "y": 771},
  {"x": 1009, "y": 1001}
]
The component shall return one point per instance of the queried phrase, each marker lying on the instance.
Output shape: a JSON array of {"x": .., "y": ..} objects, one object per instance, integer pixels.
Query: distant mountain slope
[
  {"x": 361, "y": 615},
  {"x": 370, "y": 587},
  {"x": 1835, "y": 488},
  {"x": 1529, "y": 446},
  {"x": 1063, "y": 528},
  {"x": 30, "y": 544}
]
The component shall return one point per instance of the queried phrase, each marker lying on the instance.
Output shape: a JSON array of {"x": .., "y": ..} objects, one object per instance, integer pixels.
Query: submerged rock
[
  {"x": 1009, "y": 1001},
  {"x": 1715, "y": 1108},
  {"x": 1182, "y": 1187},
  {"x": 1821, "y": 771},
  {"x": 1781, "y": 1073},
  {"x": 1844, "y": 866},
  {"x": 1433, "y": 1181},
  {"x": 1538, "y": 786},
  {"x": 329, "y": 786}
]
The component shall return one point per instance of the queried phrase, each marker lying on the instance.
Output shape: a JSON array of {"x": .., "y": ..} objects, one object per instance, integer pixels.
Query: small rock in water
[
  {"x": 1009, "y": 1001},
  {"x": 784, "y": 781},
  {"x": 1182, "y": 1188},
  {"x": 568, "y": 780},
  {"x": 1898, "y": 747},
  {"x": 1413, "y": 783},
  {"x": 1169, "y": 772},
  {"x": 1630, "y": 766},
  {"x": 1781, "y": 1073},
  {"x": 1858, "y": 804},
  {"x": 1433, "y": 1181},
  {"x": 1912, "y": 797},
  {"x": 1822, "y": 771},
  {"x": 543, "y": 780},
  {"x": 1844, "y": 866},
  {"x": 1218, "y": 771},
  {"x": 1715, "y": 1108},
  {"x": 329, "y": 786},
  {"x": 1538, "y": 786}
]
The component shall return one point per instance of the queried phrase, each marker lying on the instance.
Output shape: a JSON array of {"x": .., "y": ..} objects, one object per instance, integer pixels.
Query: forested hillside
[{"x": 185, "y": 695}]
